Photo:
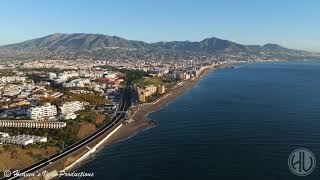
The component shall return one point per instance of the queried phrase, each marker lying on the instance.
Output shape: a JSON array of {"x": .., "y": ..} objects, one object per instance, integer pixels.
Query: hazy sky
[{"x": 291, "y": 23}]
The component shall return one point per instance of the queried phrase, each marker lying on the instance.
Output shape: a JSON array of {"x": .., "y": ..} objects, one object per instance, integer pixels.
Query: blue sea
[{"x": 240, "y": 123}]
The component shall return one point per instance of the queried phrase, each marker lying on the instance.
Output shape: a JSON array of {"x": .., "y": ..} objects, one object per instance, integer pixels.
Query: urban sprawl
[{"x": 53, "y": 94}]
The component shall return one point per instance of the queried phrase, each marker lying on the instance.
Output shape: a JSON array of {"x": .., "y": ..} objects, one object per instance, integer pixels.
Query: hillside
[
  {"x": 68, "y": 43},
  {"x": 92, "y": 43}
]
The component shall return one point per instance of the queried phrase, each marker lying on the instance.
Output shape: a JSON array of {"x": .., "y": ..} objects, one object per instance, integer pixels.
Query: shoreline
[
  {"x": 140, "y": 121},
  {"x": 145, "y": 109},
  {"x": 140, "y": 118}
]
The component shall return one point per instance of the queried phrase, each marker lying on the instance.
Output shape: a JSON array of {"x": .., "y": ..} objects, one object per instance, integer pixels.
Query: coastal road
[{"x": 123, "y": 106}]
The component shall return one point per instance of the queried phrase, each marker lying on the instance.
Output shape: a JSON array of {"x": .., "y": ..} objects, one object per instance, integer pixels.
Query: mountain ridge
[{"x": 60, "y": 43}]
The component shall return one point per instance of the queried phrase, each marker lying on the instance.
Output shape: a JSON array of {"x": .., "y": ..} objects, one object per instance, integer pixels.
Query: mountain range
[{"x": 89, "y": 43}]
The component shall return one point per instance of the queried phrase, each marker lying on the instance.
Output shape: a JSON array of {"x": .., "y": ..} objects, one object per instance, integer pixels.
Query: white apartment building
[
  {"x": 23, "y": 140},
  {"x": 41, "y": 112},
  {"x": 69, "y": 108}
]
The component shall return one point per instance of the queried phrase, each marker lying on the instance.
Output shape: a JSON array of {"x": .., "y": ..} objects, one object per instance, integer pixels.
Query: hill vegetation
[{"x": 99, "y": 44}]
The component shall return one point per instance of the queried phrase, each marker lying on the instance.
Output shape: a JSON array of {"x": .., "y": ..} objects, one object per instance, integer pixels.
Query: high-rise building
[
  {"x": 141, "y": 97},
  {"x": 161, "y": 89}
]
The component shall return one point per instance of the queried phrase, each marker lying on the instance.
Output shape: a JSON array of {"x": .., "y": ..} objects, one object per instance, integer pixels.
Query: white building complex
[
  {"x": 23, "y": 140},
  {"x": 68, "y": 109},
  {"x": 41, "y": 112}
]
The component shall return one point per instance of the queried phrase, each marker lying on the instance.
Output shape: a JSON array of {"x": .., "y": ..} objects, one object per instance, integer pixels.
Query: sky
[{"x": 291, "y": 23}]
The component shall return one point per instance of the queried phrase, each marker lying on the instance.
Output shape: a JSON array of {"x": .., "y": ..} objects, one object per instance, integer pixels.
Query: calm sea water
[{"x": 234, "y": 124}]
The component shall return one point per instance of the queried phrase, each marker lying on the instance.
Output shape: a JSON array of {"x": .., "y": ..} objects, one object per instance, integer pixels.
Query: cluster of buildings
[
  {"x": 176, "y": 73},
  {"x": 14, "y": 92},
  {"x": 98, "y": 80},
  {"x": 47, "y": 111},
  {"x": 25, "y": 94},
  {"x": 76, "y": 83},
  {"x": 21, "y": 140},
  {"x": 62, "y": 64},
  {"x": 18, "y": 93},
  {"x": 189, "y": 72},
  {"x": 50, "y": 111},
  {"x": 22, "y": 93}
]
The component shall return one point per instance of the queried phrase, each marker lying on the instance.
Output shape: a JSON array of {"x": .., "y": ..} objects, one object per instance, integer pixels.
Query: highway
[{"x": 123, "y": 106}]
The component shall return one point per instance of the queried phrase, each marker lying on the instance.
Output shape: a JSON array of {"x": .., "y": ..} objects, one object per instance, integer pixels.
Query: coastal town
[
  {"x": 55, "y": 103},
  {"x": 51, "y": 104},
  {"x": 157, "y": 90},
  {"x": 49, "y": 94}
]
